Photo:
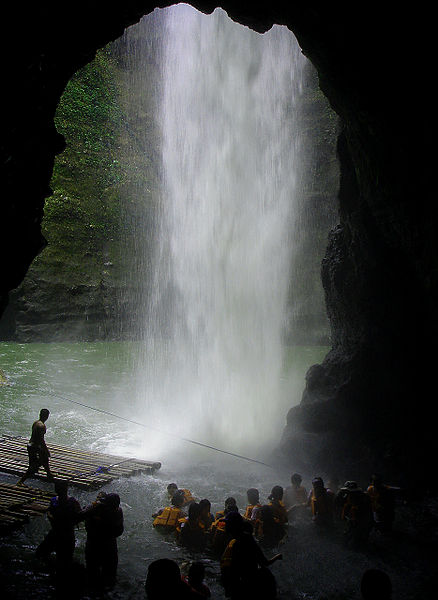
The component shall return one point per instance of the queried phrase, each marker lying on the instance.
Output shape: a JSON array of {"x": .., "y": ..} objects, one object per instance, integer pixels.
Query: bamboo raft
[
  {"x": 18, "y": 503},
  {"x": 81, "y": 468}
]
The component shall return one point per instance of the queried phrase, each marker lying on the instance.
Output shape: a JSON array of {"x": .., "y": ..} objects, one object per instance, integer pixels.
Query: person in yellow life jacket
[
  {"x": 253, "y": 503},
  {"x": 172, "y": 488},
  {"x": 267, "y": 529},
  {"x": 355, "y": 512},
  {"x": 167, "y": 518},
  {"x": 278, "y": 507},
  {"x": 244, "y": 567},
  {"x": 321, "y": 501},
  {"x": 219, "y": 537},
  {"x": 190, "y": 531},
  {"x": 206, "y": 518},
  {"x": 382, "y": 504},
  {"x": 295, "y": 497}
]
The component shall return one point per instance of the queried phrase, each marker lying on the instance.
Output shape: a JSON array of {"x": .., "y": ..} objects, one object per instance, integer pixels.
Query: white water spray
[{"x": 212, "y": 359}]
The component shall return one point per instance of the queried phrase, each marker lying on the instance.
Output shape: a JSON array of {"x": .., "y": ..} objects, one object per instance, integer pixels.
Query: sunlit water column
[{"x": 212, "y": 352}]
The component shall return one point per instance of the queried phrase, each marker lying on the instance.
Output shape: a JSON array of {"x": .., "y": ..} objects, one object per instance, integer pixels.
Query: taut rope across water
[{"x": 111, "y": 414}]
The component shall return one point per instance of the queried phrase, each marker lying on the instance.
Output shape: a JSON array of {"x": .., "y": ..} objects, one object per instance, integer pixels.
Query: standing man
[{"x": 37, "y": 449}]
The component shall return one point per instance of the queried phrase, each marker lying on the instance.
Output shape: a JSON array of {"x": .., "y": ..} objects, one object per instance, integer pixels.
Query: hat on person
[{"x": 351, "y": 486}]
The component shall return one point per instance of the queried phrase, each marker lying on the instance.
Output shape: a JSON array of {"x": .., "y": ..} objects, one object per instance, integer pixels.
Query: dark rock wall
[{"x": 370, "y": 400}]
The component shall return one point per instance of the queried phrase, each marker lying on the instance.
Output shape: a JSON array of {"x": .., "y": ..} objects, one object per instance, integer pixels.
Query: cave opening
[{"x": 274, "y": 155}]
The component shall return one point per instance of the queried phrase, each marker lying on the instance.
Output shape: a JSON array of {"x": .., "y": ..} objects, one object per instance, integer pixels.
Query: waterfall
[{"x": 212, "y": 354}]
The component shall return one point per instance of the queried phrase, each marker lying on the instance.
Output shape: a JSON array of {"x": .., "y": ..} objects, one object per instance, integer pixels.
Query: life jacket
[
  {"x": 382, "y": 501},
  {"x": 249, "y": 509},
  {"x": 168, "y": 519},
  {"x": 227, "y": 556},
  {"x": 219, "y": 515},
  {"x": 184, "y": 521},
  {"x": 321, "y": 505},
  {"x": 279, "y": 510},
  {"x": 300, "y": 494},
  {"x": 207, "y": 521},
  {"x": 187, "y": 497}
]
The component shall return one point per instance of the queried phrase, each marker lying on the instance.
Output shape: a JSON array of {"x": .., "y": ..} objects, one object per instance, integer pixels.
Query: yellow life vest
[
  {"x": 168, "y": 519},
  {"x": 227, "y": 556},
  {"x": 187, "y": 497},
  {"x": 249, "y": 509},
  {"x": 280, "y": 513},
  {"x": 182, "y": 522}
]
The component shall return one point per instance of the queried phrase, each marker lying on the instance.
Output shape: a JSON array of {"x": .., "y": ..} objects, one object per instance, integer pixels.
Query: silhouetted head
[
  {"x": 194, "y": 511},
  {"x": 296, "y": 479},
  {"x": 376, "y": 480},
  {"x": 163, "y": 579},
  {"x": 205, "y": 506},
  {"x": 44, "y": 414},
  {"x": 196, "y": 573},
  {"x": 276, "y": 493},
  {"x": 253, "y": 496},
  {"x": 61, "y": 488},
  {"x": 112, "y": 501},
  {"x": 178, "y": 498},
  {"x": 171, "y": 489},
  {"x": 267, "y": 514},
  {"x": 234, "y": 524},
  {"x": 375, "y": 585},
  {"x": 230, "y": 505}
]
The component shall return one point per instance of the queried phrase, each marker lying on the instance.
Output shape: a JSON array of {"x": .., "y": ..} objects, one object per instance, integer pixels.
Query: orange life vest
[
  {"x": 280, "y": 513},
  {"x": 227, "y": 556},
  {"x": 249, "y": 509},
  {"x": 168, "y": 519},
  {"x": 182, "y": 522},
  {"x": 187, "y": 497},
  {"x": 321, "y": 505}
]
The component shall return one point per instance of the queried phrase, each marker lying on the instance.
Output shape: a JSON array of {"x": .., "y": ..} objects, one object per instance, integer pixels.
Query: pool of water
[{"x": 99, "y": 375}]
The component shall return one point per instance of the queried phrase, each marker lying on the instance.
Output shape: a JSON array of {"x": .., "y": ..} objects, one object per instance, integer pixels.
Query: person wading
[{"x": 37, "y": 450}]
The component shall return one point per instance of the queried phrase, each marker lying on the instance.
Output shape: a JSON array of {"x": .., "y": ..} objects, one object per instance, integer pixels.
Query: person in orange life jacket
[
  {"x": 230, "y": 505},
  {"x": 219, "y": 537},
  {"x": 190, "y": 532},
  {"x": 295, "y": 496},
  {"x": 243, "y": 563},
  {"x": 356, "y": 512},
  {"x": 63, "y": 515},
  {"x": 276, "y": 498},
  {"x": 172, "y": 488},
  {"x": 206, "y": 518},
  {"x": 321, "y": 502},
  {"x": 253, "y": 504},
  {"x": 382, "y": 504},
  {"x": 267, "y": 529},
  {"x": 104, "y": 524},
  {"x": 37, "y": 449},
  {"x": 167, "y": 518},
  {"x": 195, "y": 579}
]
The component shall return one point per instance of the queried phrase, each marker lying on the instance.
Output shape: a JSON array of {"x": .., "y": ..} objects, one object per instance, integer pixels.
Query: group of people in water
[{"x": 235, "y": 539}]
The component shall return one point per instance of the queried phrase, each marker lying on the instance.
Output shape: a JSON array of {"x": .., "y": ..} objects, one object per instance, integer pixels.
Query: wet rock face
[{"x": 380, "y": 272}]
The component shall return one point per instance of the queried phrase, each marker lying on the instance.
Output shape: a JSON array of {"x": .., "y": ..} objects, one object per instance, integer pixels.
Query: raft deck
[
  {"x": 18, "y": 503},
  {"x": 81, "y": 468}
]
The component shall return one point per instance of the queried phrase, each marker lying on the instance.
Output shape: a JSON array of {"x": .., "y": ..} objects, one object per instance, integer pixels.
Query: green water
[{"x": 101, "y": 375}]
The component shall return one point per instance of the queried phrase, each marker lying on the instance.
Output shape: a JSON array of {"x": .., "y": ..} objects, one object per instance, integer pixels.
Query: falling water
[{"x": 212, "y": 360}]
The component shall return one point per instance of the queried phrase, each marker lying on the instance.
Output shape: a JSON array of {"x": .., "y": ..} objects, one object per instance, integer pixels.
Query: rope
[{"x": 189, "y": 441}]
